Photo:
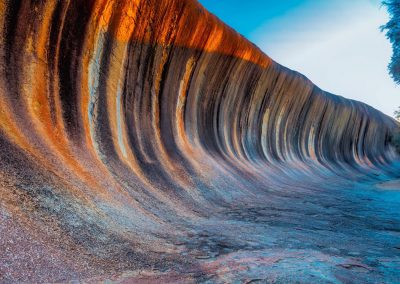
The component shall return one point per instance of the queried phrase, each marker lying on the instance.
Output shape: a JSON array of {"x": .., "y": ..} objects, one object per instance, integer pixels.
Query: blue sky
[{"x": 336, "y": 43}]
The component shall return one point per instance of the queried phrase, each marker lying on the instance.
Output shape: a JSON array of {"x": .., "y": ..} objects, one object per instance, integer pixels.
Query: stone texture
[{"x": 147, "y": 141}]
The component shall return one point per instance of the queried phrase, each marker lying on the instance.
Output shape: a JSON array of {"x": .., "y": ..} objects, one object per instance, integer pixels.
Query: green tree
[
  {"x": 392, "y": 29},
  {"x": 397, "y": 114}
]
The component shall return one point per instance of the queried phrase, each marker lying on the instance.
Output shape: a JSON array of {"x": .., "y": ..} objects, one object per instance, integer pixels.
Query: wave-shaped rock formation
[{"x": 146, "y": 140}]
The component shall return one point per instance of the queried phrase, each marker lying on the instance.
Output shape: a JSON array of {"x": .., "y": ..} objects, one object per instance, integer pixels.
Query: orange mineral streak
[
  {"x": 114, "y": 13},
  {"x": 182, "y": 24},
  {"x": 180, "y": 119},
  {"x": 115, "y": 69},
  {"x": 171, "y": 169},
  {"x": 37, "y": 102},
  {"x": 10, "y": 128},
  {"x": 130, "y": 130},
  {"x": 90, "y": 178}
]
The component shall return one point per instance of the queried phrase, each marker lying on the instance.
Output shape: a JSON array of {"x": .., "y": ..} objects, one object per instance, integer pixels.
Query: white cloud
[{"x": 338, "y": 46}]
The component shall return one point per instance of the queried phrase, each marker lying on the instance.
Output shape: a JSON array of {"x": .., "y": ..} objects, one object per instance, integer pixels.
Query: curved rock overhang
[{"x": 124, "y": 123}]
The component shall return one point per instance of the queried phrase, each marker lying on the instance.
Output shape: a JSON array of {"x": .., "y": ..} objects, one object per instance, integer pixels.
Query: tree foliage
[
  {"x": 397, "y": 114},
  {"x": 392, "y": 29}
]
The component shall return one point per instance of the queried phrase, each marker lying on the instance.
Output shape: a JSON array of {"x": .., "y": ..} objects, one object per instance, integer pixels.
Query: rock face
[{"x": 147, "y": 140}]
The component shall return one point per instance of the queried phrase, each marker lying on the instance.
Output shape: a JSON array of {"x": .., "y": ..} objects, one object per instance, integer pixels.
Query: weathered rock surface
[{"x": 145, "y": 140}]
